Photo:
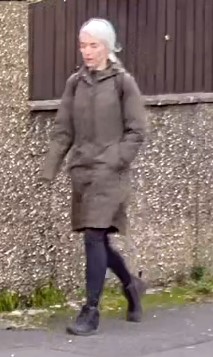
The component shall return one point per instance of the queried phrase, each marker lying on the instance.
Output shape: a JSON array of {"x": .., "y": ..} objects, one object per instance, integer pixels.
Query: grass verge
[{"x": 48, "y": 302}]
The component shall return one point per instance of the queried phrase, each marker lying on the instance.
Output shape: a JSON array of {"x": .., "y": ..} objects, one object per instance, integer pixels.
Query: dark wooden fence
[{"x": 167, "y": 44}]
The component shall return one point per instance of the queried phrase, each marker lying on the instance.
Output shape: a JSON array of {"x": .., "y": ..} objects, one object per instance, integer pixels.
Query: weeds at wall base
[
  {"x": 43, "y": 297},
  {"x": 198, "y": 288}
]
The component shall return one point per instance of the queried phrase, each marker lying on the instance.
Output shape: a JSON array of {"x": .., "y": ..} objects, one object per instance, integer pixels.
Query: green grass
[
  {"x": 114, "y": 303},
  {"x": 47, "y": 296},
  {"x": 9, "y": 301},
  {"x": 43, "y": 297},
  {"x": 199, "y": 288}
]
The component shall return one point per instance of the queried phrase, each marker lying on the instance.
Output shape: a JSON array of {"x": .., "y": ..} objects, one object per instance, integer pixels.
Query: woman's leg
[
  {"x": 116, "y": 263},
  {"x": 133, "y": 287},
  {"x": 96, "y": 264}
]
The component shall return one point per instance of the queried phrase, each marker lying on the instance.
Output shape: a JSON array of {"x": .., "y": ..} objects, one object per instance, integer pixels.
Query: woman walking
[{"x": 100, "y": 125}]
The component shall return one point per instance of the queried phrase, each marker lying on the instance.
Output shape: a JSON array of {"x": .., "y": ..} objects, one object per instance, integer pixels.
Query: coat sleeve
[
  {"x": 62, "y": 135},
  {"x": 134, "y": 121}
]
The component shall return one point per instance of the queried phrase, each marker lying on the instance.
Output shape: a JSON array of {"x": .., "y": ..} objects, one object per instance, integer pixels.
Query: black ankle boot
[
  {"x": 133, "y": 293},
  {"x": 86, "y": 323},
  {"x": 140, "y": 285}
]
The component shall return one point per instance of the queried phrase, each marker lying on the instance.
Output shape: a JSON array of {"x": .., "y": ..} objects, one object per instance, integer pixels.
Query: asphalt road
[{"x": 185, "y": 332}]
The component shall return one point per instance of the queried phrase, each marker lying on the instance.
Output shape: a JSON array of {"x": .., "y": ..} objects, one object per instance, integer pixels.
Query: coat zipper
[{"x": 93, "y": 119}]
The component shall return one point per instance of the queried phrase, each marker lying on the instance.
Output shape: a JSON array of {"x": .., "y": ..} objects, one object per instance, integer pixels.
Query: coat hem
[{"x": 111, "y": 229}]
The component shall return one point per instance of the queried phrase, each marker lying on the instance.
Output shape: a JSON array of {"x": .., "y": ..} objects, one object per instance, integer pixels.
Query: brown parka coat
[{"x": 100, "y": 130}]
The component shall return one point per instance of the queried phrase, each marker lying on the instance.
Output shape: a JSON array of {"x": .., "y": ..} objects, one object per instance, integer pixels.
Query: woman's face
[{"x": 94, "y": 52}]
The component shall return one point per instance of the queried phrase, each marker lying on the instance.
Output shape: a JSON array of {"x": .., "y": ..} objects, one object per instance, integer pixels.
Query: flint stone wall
[{"x": 171, "y": 209}]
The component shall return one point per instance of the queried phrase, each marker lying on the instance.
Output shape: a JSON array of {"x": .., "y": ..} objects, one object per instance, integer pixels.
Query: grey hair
[{"x": 104, "y": 31}]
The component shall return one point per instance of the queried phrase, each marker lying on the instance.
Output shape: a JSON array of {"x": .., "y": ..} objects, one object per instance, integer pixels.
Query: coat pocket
[{"x": 110, "y": 157}]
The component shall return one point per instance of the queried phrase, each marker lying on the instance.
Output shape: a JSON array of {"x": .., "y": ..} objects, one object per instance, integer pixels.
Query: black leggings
[{"x": 99, "y": 256}]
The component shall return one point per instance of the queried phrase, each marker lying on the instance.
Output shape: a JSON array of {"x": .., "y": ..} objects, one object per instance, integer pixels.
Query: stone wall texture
[{"x": 171, "y": 209}]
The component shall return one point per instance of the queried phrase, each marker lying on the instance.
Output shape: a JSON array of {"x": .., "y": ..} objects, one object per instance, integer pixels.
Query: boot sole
[
  {"x": 134, "y": 320},
  {"x": 131, "y": 317},
  {"x": 72, "y": 331}
]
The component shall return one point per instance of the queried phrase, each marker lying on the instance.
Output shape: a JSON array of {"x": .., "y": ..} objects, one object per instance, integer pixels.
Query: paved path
[{"x": 185, "y": 332}]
